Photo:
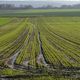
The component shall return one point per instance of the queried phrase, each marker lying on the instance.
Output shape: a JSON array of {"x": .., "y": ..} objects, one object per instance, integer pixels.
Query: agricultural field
[
  {"x": 39, "y": 12},
  {"x": 44, "y": 48}
]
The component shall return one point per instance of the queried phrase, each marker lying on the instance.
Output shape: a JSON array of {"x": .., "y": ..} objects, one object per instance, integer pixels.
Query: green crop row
[{"x": 42, "y": 42}]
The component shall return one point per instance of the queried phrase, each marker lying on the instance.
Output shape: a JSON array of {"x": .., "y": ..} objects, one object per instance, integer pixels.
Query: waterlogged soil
[
  {"x": 10, "y": 62},
  {"x": 40, "y": 58}
]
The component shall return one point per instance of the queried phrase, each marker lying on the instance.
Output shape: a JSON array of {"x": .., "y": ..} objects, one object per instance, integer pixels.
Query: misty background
[{"x": 39, "y": 4}]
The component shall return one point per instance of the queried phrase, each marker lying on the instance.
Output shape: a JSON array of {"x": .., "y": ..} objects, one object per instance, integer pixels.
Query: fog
[{"x": 37, "y": 3}]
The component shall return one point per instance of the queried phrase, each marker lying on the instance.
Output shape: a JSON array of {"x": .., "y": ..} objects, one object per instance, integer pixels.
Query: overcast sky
[
  {"x": 39, "y": 3},
  {"x": 39, "y": 0}
]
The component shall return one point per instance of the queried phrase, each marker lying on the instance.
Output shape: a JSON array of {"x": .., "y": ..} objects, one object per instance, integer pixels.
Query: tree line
[{"x": 12, "y": 6}]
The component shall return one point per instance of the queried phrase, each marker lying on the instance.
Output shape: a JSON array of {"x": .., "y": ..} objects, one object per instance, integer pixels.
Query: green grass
[
  {"x": 11, "y": 72},
  {"x": 40, "y": 12},
  {"x": 4, "y": 21}
]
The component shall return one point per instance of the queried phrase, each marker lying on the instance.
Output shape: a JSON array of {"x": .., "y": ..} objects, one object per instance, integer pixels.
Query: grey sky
[
  {"x": 39, "y": 0},
  {"x": 39, "y": 3}
]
